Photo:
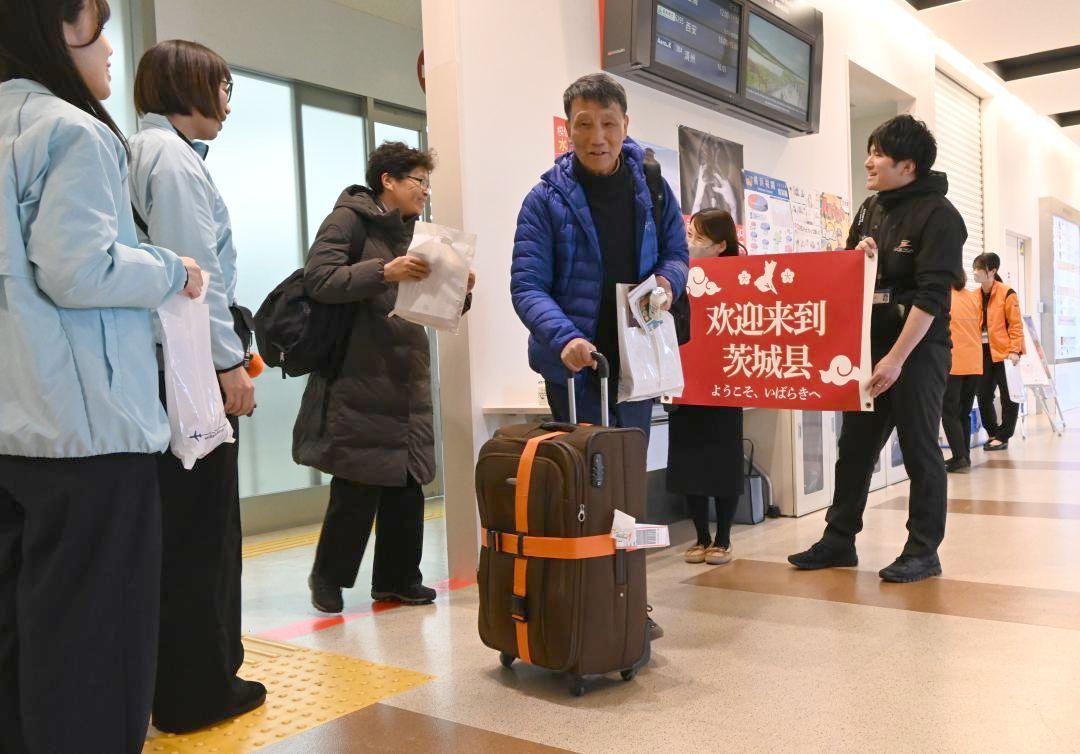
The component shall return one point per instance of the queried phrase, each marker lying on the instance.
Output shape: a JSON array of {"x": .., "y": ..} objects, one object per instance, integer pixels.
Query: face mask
[{"x": 702, "y": 250}]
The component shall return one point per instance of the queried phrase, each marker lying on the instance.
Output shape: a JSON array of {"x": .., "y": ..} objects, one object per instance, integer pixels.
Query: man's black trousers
[{"x": 913, "y": 407}]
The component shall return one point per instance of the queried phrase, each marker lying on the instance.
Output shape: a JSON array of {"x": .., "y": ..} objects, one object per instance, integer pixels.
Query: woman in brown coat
[{"x": 371, "y": 426}]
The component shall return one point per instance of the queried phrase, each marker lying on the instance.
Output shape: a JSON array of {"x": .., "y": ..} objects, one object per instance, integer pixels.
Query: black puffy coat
[{"x": 373, "y": 424}]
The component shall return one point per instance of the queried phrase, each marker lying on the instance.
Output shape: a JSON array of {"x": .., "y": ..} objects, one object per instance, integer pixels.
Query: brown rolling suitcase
[{"x": 554, "y": 591}]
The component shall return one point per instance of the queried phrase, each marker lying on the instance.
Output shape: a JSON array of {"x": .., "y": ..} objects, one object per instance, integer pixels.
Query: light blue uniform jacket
[
  {"x": 76, "y": 288},
  {"x": 173, "y": 193}
]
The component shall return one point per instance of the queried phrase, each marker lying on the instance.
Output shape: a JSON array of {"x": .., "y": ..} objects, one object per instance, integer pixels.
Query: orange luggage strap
[
  {"x": 518, "y": 610},
  {"x": 558, "y": 548}
]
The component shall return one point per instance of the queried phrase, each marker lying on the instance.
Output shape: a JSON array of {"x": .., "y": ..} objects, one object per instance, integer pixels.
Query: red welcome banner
[{"x": 780, "y": 331}]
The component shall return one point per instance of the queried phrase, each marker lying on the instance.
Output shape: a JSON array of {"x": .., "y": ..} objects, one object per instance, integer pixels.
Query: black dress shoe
[
  {"x": 417, "y": 594},
  {"x": 325, "y": 597},
  {"x": 958, "y": 466},
  {"x": 822, "y": 555},
  {"x": 908, "y": 568},
  {"x": 244, "y": 696}
]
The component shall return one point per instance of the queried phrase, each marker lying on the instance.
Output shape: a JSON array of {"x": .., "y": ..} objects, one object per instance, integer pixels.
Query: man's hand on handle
[{"x": 578, "y": 354}]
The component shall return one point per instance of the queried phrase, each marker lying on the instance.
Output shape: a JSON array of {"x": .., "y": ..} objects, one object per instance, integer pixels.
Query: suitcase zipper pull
[{"x": 581, "y": 513}]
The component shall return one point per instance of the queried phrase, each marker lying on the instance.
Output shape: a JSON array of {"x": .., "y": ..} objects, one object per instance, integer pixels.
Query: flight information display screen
[
  {"x": 777, "y": 68},
  {"x": 700, "y": 38}
]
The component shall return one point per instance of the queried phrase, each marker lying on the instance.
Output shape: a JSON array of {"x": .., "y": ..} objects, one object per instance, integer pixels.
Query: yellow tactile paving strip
[
  {"x": 305, "y": 689},
  {"x": 301, "y": 540}
]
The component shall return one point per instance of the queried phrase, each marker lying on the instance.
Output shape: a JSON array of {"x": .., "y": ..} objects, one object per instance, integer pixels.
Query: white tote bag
[
  {"x": 1017, "y": 391},
  {"x": 438, "y": 300},
  {"x": 192, "y": 393},
  {"x": 649, "y": 362}
]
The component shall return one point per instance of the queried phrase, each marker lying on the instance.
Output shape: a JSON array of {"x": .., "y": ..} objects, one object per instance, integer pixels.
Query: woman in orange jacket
[
  {"x": 965, "y": 327},
  {"x": 1003, "y": 338}
]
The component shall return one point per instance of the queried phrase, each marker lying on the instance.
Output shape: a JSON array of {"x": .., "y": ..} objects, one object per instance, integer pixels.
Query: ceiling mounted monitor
[{"x": 759, "y": 60}]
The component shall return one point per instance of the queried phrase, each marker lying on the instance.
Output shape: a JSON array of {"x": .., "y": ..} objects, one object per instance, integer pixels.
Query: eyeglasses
[
  {"x": 228, "y": 86},
  {"x": 424, "y": 183}
]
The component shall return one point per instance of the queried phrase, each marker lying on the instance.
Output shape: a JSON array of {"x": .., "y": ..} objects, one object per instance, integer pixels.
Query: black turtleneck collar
[
  {"x": 934, "y": 182},
  {"x": 592, "y": 182}
]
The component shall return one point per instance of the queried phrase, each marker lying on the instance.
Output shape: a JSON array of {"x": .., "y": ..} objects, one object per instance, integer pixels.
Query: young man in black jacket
[{"x": 917, "y": 238}]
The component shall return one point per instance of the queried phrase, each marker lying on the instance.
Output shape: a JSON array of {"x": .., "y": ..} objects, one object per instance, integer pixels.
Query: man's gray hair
[{"x": 596, "y": 87}]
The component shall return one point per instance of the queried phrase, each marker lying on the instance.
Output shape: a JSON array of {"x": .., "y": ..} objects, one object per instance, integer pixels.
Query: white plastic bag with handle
[
  {"x": 438, "y": 300},
  {"x": 192, "y": 393},
  {"x": 1015, "y": 380},
  {"x": 649, "y": 362}
]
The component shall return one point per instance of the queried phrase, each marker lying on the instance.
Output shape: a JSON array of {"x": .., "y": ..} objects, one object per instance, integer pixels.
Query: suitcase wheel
[
  {"x": 506, "y": 659},
  {"x": 577, "y": 686},
  {"x": 629, "y": 675}
]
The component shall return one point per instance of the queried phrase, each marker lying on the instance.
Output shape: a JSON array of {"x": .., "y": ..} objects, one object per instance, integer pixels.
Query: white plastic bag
[
  {"x": 192, "y": 394},
  {"x": 1015, "y": 380},
  {"x": 438, "y": 300},
  {"x": 649, "y": 362}
]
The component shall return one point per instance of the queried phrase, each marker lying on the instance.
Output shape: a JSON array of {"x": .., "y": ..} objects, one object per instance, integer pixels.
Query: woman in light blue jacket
[
  {"x": 182, "y": 92},
  {"x": 80, "y": 422}
]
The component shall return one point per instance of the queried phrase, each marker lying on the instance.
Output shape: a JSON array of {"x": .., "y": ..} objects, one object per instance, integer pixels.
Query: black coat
[
  {"x": 705, "y": 451},
  {"x": 373, "y": 424}
]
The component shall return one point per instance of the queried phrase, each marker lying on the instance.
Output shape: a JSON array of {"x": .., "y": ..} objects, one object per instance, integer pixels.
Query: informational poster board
[
  {"x": 1066, "y": 289},
  {"x": 835, "y": 221},
  {"x": 806, "y": 218},
  {"x": 788, "y": 331},
  {"x": 769, "y": 226},
  {"x": 1033, "y": 366},
  {"x": 562, "y": 136}
]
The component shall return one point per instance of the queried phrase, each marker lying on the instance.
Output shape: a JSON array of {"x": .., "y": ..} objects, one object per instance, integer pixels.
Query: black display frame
[{"x": 629, "y": 50}]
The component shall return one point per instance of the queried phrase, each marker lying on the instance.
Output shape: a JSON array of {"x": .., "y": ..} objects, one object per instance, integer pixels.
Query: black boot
[
  {"x": 958, "y": 466},
  {"x": 325, "y": 597},
  {"x": 824, "y": 555},
  {"x": 243, "y": 697}
]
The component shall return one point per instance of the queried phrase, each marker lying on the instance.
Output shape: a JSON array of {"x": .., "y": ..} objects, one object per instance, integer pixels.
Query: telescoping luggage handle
[{"x": 603, "y": 370}]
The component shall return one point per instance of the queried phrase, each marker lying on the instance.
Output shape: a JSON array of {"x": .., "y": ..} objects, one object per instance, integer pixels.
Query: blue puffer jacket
[{"x": 557, "y": 277}]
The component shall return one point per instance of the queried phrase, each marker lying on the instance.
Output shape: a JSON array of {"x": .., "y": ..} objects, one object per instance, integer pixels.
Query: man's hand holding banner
[{"x": 789, "y": 331}]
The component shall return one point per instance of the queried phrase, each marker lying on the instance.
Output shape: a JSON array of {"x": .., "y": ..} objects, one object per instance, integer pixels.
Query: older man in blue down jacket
[{"x": 586, "y": 227}]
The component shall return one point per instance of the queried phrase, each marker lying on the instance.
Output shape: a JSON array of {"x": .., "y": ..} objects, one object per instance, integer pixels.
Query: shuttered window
[{"x": 959, "y": 138}]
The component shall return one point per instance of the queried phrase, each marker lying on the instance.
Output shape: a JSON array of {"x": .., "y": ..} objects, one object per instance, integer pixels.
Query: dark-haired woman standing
[
  {"x": 370, "y": 426},
  {"x": 1003, "y": 340},
  {"x": 182, "y": 92},
  {"x": 80, "y": 420},
  {"x": 705, "y": 453}
]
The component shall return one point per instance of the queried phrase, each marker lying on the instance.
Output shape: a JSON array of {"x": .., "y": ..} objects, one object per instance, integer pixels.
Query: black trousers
[
  {"x": 399, "y": 541},
  {"x": 913, "y": 407},
  {"x": 993, "y": 379},
  {"x": 80, "y": 549},
  {"x": 725, "y": 512},
  {"x": 956, "y": 413},
  {"x": 199, "y": 651}
]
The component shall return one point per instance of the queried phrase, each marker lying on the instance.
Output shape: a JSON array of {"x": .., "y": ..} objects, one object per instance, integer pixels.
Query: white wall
[{"x": 315, "y": 41}]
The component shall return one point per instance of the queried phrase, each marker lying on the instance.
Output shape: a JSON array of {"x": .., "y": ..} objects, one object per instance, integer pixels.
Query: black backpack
[
  {"x": 680, "y": 309},
  {"x": 303, "y": 336}
]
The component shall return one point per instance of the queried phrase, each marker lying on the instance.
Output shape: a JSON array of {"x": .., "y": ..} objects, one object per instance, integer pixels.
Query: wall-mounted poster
[
  {"x": 1066, "y": 289},
  {"x": 669, "y": 165},
  {"x": 806, "y": 217},
  {"x": 562, "y": 136},
  {"x": 711, "y": 170},
  {"x": 835, "y": 221},
  {"x": 769, "y": 228}
]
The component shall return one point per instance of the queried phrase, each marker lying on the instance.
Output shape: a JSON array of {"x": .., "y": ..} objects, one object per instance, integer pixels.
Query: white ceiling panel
[
  {"x": 989, "y": 30},
  {"x": 1050, "y": 94},
  {"x": 1073, "y": 132}
]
